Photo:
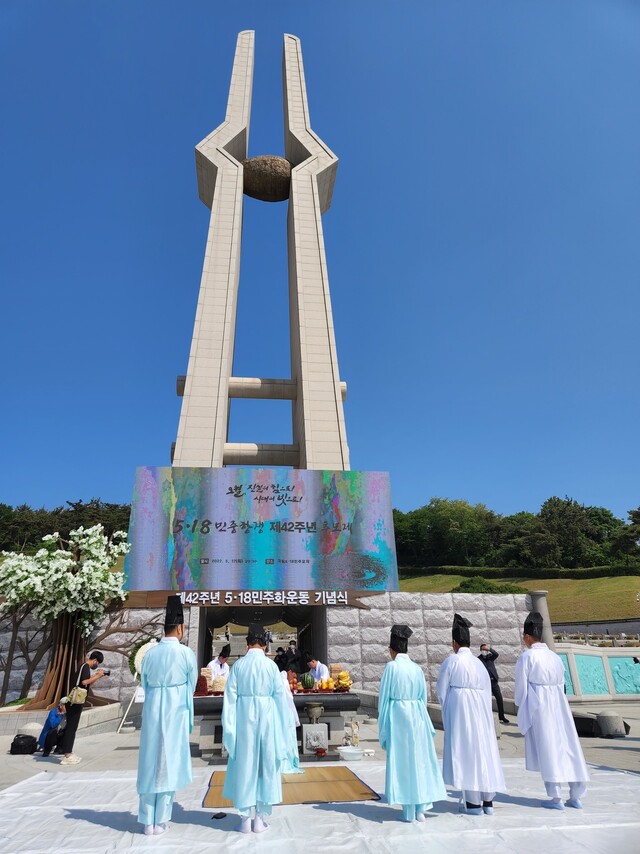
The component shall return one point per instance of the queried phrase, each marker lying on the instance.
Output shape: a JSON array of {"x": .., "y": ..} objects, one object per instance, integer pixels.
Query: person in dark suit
[
  {"x": 487, "y": 657},
  {"x": 294, "y": 660},
  {"x": 281, "y": 659}
]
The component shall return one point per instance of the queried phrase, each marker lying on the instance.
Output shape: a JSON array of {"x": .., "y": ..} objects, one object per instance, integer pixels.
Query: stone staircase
[{"x": 239, "y": 646}]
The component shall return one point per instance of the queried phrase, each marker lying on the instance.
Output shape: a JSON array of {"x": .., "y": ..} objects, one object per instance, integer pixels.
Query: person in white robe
[
  {"x": 168, "y": 676},
  {"x": 255, "y": 734},
  {"x": 551, "y": 742},
  {"x": 290, "y": 765},
  {"x": 219, "y": 666},
  {"x": 317, "y": 669},
  {"x": 471, "y": 761},
  {"x": 413, "y": 777}
]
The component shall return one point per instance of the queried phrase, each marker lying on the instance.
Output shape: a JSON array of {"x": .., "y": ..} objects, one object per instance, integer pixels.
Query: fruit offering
[
  {"x": 344, "y": 681},
  {"x": 307, "y": 681}
]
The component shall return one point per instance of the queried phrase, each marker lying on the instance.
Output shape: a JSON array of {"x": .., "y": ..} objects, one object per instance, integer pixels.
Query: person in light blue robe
[
  {"x": 413, "y": 776},
  {"x": 168, "y": 677},
  {"x": 255, "y": 733}
]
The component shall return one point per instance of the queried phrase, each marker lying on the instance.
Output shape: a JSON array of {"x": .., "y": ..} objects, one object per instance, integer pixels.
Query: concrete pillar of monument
[
  {"x": 539, "y": 603},
  {"x": 304, "y": 177},
  {"x": 204, "y": 416},
  {"x": 318, "y": 418}
]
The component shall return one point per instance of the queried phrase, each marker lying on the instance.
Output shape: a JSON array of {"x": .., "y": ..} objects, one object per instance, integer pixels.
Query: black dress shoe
[{"x": 505, "y": 721}]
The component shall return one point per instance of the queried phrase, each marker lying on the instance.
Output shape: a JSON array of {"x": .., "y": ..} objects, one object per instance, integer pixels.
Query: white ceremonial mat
[{"x": 83, "y": 812}]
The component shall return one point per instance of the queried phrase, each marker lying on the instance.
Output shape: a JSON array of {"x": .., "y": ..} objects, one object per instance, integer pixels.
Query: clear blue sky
[{"x": 483, "y": 243}]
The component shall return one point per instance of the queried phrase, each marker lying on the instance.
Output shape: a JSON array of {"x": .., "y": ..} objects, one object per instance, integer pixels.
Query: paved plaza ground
[{"x": 91, "y": 807}]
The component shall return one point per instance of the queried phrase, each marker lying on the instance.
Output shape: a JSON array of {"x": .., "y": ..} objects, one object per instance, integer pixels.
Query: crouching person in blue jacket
[{"x": 53, "y": 728}]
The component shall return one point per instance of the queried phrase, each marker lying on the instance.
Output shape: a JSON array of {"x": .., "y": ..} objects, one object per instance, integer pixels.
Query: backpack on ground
[{"x": 23, "y": 744}]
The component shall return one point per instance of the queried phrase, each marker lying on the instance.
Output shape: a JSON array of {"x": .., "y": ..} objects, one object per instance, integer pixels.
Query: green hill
[{"x": 570, "y": 600}]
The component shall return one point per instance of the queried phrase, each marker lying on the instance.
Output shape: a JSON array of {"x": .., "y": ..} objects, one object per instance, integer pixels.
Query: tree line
[
  {"x": 564, "y": 533},
  {"x": 445, "y": 532},
  {"x": 22, "y": 528}
]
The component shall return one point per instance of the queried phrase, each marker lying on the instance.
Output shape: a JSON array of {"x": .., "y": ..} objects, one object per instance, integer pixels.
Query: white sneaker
[
  {"x": 245, "y": 825},
  {"x": 148, "y": 830},
  {"x": 159, "y": 829},
  {"x": 259, "y": 825},
  {"x": 71, "y": 759}
]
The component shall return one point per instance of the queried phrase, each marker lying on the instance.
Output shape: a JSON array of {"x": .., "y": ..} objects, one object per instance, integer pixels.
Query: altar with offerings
[{"x": 333, "y": 703}]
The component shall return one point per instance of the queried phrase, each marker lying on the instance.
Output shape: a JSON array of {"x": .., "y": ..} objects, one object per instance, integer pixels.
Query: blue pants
[
  {"x": 155, "y": 807},
  {"x": 409, "y": 811},
  {"x": 261, "y": 809}
]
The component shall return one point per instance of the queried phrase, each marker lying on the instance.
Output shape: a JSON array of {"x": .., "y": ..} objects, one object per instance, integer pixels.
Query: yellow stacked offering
[{"x": 344, "y": 681}]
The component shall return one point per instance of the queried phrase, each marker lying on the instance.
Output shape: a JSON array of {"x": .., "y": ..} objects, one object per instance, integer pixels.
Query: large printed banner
[{"x": 261, "y": 529}]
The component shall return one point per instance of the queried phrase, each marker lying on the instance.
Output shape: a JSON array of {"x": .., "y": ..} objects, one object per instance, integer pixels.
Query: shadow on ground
[{"x": 126, "y": 821}]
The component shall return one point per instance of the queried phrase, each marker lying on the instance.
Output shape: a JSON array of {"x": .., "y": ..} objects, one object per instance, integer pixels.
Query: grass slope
[{"x": 570, "y": 600}]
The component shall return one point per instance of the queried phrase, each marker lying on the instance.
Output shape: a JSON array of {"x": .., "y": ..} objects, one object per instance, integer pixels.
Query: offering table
[{"x": 209, "y": 708}]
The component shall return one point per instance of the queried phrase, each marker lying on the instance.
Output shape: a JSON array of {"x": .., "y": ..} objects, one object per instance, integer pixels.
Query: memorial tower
[{"x": 305, "y": 177}]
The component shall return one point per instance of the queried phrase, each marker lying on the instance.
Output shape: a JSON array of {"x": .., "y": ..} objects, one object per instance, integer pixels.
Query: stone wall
[
  {"x": 30, "y": 636},
  {"x": 359, "y": 639}
]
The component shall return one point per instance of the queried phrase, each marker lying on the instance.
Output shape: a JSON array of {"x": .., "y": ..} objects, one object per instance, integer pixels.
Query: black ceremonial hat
[
  {"x": 460, "y": 629},
  {"x": 400, "y": 638},
  {"x": 174, "y": 614},
  {"x": 401, "y": 632},
  {"x": 225, "y": 651},
  {"x": 533, "y": 624},
  {"x": 257, "y": 631}
]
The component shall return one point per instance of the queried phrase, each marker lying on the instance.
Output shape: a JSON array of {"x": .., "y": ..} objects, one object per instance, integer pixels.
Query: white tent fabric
[{"x": 80, "y": 812}]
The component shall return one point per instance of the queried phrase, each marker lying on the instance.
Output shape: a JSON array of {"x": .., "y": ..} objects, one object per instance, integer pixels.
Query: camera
[{"x": 107, "y": 672}]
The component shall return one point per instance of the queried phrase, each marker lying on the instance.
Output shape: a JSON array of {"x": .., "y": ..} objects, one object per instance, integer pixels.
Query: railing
[
  {"x": 598, "y": 639},
  {"x": 598, "y": 672}
]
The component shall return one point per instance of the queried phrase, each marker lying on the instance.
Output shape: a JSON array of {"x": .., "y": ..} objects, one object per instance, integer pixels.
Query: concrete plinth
[
  {"x": 611, "y": 725},
  {"x": 314, "y": 736}
]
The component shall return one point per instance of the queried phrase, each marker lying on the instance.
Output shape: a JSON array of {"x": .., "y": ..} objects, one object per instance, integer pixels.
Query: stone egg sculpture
[{"x": 267, "y": 178}]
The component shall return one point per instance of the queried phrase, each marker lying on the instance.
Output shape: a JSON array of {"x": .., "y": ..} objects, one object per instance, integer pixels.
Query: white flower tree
[{"x": 68, "y": 584}]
